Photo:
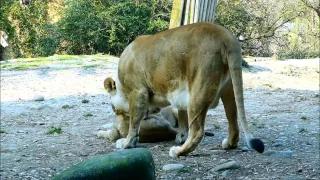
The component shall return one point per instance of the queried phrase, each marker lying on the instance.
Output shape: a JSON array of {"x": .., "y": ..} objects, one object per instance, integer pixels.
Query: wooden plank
[
  {"x": 187, "y": 13},
  {"x": 176, "y": 14},
  {"x": 204, "y": 16},
  {"x": 196, "y": 11},
  {"x": 192, "y": 11}
]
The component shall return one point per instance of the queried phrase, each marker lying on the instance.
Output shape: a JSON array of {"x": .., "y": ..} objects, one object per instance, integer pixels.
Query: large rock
[{"x": 125, "y": 164}]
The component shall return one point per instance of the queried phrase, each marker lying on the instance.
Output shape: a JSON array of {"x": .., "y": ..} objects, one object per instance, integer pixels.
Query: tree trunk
[{"x": 192, "y": 11}]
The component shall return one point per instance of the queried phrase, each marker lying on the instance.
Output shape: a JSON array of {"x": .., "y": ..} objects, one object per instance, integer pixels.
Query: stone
[
  {"x": 292, "y": 177},
  {"x": 227, "y": 165},
  {"x": 85, "y": 101},
  {"x": 245, "y": 149},
  {"x": 277, "y": 144},
  {"x": 124, "y": 164},
  {"x": 269, "y": 152},
  {"x": 287, "y": 153},
  {"x": 38, "y": 97},
  {"x": 172, "y": 167},
  {"x": 225, "y": 173}
]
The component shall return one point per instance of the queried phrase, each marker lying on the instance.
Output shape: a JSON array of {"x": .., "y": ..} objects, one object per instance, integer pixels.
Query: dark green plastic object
[{"x": 125, "y": 164}]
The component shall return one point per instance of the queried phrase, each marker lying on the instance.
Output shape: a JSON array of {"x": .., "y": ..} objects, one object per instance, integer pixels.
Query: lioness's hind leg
[
  {"x": 229, "y": 103},
  {"x": 197, "y": 110}
]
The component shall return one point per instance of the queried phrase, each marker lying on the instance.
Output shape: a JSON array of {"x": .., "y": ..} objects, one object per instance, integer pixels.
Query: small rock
[
  {"x": 277, "y": 144},
  {"x": 227, "y": 165},
  {"x": 299, "y": 170},
  {"x": 21, "y": 131},
  {"x": 225, "y": 173},
  {"x": 85, "y": 101},
  {"x": 169, "y": 167},
  {"x": 292, "y": 177},
  {"x": 218, "y": 151},
  {"x": 287, "y": 153},
  {"x": 308, "y": 143},
  {"x": 269, "y": 152},
  {"x": 278, "y": 141},
  {"x": 245, "y": 149},
  {"x": 223, "y": 161},
  {"x": 40, "y": 107},
  {"x": 38, "y": 97}
]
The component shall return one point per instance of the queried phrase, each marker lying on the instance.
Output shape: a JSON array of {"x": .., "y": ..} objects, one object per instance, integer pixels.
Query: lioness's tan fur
[{"x": 190, "y": 67}]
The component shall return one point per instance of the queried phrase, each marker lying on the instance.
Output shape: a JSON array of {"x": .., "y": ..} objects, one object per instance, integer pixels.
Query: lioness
[{"x": 189, "y": 67}]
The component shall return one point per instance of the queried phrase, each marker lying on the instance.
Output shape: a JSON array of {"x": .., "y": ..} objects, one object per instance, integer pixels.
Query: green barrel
[{"x": 124, "y": 164}]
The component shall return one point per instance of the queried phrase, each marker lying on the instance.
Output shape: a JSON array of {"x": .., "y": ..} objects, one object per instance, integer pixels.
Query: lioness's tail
[{"x": 235, "y": 69}]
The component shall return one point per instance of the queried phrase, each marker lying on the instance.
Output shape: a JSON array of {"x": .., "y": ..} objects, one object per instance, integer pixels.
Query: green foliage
[
  {"x": 28, "y": 29},
  {"x": 53, "y": 130},
  {"x": 83, "y": 27},
  {"x": 66, "y": 106},
  {"x": 245, "y": 64},
  {"x": 297, "y": 54},
  {"x": 99, "y": 26},
  {"x": 87, "y": 115},
  {"x": 89, "y": 27}
]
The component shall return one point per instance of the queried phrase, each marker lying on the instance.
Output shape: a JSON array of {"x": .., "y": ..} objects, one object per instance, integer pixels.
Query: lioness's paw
[
  {"x": 120, "y": 143},
  {"x": 225, "y": 145},
  {"x": 174, "y": 151}
]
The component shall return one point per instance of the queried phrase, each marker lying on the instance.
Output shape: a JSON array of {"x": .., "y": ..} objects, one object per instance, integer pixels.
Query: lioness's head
[{"x": 119, "y": 102}]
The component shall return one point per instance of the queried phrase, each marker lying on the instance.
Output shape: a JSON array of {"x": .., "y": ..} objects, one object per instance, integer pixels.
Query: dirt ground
[{"x": 282, "y": 107}]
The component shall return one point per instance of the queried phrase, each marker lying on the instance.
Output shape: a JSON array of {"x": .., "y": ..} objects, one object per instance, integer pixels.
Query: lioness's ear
[{"x": 110, "y": 85}]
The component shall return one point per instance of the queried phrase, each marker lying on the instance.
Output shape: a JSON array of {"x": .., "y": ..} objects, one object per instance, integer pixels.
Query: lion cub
[{"x": 158, "y": 125}]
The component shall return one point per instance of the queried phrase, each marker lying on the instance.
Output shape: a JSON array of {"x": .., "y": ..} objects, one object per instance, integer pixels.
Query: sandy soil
[{"x": 282, "y": 106}]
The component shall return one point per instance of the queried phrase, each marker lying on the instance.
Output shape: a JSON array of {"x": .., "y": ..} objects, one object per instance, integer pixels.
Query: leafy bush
[
  {"x": 297, "y": 54},
  {"x": 29, "y": 32},
  {"x": 89, "y": 27}
]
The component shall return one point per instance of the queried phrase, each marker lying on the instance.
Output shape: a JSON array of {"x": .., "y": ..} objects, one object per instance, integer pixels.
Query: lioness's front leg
[{"x": 138, "y": 105}]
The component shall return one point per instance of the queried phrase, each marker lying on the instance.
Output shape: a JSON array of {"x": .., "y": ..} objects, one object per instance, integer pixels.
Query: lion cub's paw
[
  {"x": 103, "y": 134},
  {"x": 120, "y": 143},
  {"x": 181, "y": 138},
  {"x": 174, "y": 151}
]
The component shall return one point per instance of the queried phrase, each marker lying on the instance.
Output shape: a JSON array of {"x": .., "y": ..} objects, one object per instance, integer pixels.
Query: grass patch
[
  {"x": 91, "y": 66},
  {"x": 184, "y": 170},
  {"x": 53, "y": 130},
  {"x": 267, "y": 85},
  {"x": 25, "y": 63},
  {"x": 66, "y": 106},
  {"x": 304, "y": 118},
  {"x": 64, "y": 57},
  {"x": 87, "y": 115},
  {"x": 2, "y": 132}
]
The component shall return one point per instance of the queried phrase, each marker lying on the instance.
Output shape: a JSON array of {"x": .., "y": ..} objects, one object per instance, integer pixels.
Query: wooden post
[
  {"x": 176, "y": 14},
  {"x": 194, "y": 11}
]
